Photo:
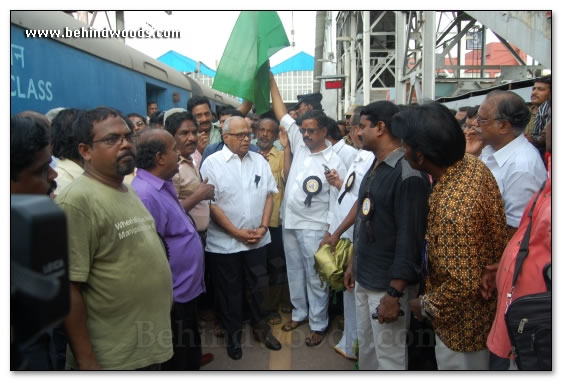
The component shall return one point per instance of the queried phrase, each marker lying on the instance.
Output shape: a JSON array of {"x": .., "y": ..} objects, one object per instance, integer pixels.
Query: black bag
[{"x": 528, "y": 318}]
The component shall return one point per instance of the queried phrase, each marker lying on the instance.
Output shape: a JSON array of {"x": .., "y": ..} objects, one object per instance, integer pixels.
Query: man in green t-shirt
[{"x": 121, "y": 286}]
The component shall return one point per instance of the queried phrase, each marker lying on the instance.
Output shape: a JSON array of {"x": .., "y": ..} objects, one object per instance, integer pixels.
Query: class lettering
[{"x": 39, "y": 90}]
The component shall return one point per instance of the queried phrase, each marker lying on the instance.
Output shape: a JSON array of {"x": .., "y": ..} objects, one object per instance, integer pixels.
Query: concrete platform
[{"x": 294, "y": 354}]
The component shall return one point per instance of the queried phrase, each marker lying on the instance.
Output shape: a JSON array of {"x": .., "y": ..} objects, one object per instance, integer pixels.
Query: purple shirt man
[{"x": 184, "y": 246}]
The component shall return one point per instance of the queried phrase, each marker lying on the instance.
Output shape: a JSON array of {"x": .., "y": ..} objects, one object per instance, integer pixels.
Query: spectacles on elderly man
[
  {"x": 240, "y": 136},
  {"x": 482, "y": 121}
]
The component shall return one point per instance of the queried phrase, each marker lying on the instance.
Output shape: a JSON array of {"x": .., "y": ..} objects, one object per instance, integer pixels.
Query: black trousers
[
  {"x": 185, "y": 336},
  {"x": 277, "y": 271},
  {"x": 240, "y": 277}
]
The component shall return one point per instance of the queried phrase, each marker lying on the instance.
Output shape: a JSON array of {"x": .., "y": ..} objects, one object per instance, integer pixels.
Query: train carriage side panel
[{"x": 47, "y": 74}]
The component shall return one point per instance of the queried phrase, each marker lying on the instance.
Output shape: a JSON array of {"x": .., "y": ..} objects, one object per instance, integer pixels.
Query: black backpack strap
[{"x": 523, "y": 251}]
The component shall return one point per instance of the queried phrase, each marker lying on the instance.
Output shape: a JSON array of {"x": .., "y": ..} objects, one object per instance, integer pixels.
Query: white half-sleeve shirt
[
  {"x": 345, "y": 152},
  {"x": 360, "y": 167},
  {"x": 519, "y": 172},
  {"x": 295, "y": 214},
  {"x": 241, "y": 189}
]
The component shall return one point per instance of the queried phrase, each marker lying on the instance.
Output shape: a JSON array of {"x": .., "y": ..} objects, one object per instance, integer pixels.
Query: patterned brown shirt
[{"x": 466, "y": 231}]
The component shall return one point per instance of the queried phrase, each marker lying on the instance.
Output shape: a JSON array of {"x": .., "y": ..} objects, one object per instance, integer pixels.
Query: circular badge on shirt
[
  {"x": 312, "y": 185},
  {"x": 367, "y": 207},
  {"x": 350, "y": 181}
]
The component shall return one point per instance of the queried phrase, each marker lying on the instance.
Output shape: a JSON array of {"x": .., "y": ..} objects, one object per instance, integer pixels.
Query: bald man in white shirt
[{"x": 238, "y": 233}]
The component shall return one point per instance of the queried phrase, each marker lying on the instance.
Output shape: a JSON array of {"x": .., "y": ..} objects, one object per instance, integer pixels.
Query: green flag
[{"x": 243, "y": 70}]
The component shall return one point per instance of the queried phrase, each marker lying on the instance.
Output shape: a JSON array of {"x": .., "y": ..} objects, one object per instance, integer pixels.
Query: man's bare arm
[{"x": 77, "y": 331}]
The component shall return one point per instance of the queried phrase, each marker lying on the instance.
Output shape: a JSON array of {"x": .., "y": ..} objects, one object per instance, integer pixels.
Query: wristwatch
[{"x": 394, "y": 292}]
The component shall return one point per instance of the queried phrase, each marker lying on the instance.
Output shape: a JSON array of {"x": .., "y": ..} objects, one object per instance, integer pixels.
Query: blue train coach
[{"x": 49, "y": 72}]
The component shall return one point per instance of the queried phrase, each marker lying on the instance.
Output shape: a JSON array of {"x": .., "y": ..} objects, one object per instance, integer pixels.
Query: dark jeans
[{"x": 185, "y": 336}]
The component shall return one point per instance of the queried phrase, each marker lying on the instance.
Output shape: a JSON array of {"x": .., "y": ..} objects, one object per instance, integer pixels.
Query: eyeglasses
[
  {"x": 308, "y": 131},
  {"x": 139, "y": 123},
  {"x": 112, "y": 140},
  {"x": 482, "y": 121},
  {"x": 240, "y": 136}
]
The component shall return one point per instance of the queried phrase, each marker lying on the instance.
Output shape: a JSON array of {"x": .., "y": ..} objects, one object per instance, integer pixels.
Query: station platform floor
[{"x": 294, "y": 354}]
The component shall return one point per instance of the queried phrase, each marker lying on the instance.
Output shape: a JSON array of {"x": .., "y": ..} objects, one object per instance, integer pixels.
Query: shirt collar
[
  {"x": 338, "y": 145},
  {"x": 502, "y": 155},
  {"x": 228, "y": 154},
  {"x": 187, "y": 160},
  {"x": 394, "y": 157},
  {"x": 151, "y": 179}
]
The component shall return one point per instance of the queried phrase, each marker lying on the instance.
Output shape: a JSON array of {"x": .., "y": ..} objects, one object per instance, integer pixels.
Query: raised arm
[
  {"x": 245, "y": 107},
  {"x": 277, "y": 103}
]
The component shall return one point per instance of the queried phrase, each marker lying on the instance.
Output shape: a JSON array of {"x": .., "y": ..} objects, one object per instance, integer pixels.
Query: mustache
[
  {"x": 52, "y": 187},
  {"x": 127, "y": 153}
]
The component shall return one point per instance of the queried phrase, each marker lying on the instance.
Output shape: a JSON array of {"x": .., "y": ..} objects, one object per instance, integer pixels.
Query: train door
[{"x": 157, "y": 94}]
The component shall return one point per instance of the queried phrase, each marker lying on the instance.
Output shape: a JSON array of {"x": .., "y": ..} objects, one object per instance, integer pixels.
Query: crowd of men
[{"x": 175, "y": 213}]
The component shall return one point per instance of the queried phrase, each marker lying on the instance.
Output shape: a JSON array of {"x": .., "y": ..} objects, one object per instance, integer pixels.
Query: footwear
[
  {"x": 315, "y": 338},
  {"x": 291, "y": 325},
  {"x": 341, "y": 352},
  {"x": 234, "y": 351},
  {"x": 205, "y": 359},
  {"x": 268, "y": 339},
  {"x": 274, "y": 318},
  {"x": 271, "y": 342}
]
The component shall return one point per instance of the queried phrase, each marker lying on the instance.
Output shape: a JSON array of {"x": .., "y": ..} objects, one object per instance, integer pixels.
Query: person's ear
[{"x": 85, "y": 151}]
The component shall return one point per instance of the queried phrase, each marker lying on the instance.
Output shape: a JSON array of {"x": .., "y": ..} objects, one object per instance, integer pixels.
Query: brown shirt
[
  {"x": 185, "y": 182},
  {"x": 275, "y": 160},
  {"x": 466, "y": 231}
]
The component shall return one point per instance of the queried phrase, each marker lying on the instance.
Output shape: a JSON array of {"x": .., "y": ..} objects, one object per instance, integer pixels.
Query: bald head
[{"x": 156, "y": 153}]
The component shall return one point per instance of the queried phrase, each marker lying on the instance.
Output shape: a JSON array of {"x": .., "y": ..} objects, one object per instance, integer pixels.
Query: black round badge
[
  {"x": 348, "y": 187},
  {"x": 312, "y": 185}
]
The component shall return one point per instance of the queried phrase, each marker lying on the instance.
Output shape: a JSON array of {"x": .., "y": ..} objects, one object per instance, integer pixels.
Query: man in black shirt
[{"x": 391, "y": 222}]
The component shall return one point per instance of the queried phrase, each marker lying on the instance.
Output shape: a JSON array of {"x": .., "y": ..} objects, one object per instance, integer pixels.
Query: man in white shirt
[
  {"x": 345, "y": 152},
  {"x": 238, "y": 233},
  {"x": 342, "y": 227},
  {"x": 306, "y": 213},
  {"x": 515, "y": 163}
]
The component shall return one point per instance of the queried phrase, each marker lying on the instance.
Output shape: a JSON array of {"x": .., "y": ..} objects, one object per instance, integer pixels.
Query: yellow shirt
[{"x": 275, "y": 159}]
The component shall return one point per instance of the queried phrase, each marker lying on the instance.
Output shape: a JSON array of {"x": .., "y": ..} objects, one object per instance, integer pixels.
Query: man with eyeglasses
[
  {"x": 238, "y": 233},
  {"x": 121, "y": 285},
  {"x": 513, "y": 160},
  {"x": 307, "y": 210}
]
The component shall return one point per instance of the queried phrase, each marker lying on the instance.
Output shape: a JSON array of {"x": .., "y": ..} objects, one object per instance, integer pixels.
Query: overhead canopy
[
  {"x": 301, "y": 61},
  {"x": 185, "y": 64}
]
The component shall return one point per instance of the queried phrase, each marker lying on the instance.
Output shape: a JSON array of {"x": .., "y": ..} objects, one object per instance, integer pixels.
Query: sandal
[
  {"x": 291, "y": 325},
  {"x": 314, "y": 338}
]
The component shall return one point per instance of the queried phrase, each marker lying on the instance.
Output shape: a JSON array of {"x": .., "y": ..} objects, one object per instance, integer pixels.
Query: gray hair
[
  {"x": 229, "y": 121},
  {"x": 512, "y": 108}
]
